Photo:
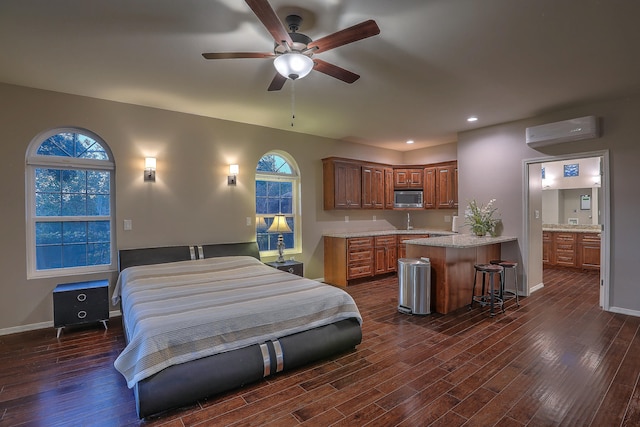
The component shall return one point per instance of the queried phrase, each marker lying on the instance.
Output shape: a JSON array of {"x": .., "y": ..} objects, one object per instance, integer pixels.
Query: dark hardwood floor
[{"x": 556, "y": 360}]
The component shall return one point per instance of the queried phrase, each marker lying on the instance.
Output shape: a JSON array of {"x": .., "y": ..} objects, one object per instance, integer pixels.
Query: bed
[{"x": 201, "y": 320}]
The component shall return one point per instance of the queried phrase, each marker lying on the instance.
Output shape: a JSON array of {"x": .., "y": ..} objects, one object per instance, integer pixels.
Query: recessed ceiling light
[
  {"x": 472, "y": 119},
  {"x": 410, "y": 141}
]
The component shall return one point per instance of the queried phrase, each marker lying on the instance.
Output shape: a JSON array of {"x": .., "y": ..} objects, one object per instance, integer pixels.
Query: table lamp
[{"x": 279, "y": 225}]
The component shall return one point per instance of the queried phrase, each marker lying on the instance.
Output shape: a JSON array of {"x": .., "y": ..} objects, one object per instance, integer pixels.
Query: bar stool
[
  {"x": 491, "y": 298},
  {"x": 513, "y": 266}
]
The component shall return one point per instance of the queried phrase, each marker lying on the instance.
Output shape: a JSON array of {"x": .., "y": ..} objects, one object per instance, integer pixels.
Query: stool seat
[{"x": 488, "y": 268}]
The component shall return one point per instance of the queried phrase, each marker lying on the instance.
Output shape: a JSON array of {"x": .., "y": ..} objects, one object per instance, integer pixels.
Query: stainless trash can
[{"x": 414, "y": 280}]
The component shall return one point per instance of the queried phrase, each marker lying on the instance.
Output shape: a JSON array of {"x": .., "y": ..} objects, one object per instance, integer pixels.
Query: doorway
[{"x": 537, "y": 181}]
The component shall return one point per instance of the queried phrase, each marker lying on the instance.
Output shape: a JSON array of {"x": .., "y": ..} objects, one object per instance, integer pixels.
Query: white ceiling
[{"x": 435, "y": 62}]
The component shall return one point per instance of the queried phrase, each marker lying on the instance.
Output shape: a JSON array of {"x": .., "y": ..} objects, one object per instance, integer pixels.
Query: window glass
[
  {"x": 277, "y": 183},
  {"x": 70, "y": 218}
]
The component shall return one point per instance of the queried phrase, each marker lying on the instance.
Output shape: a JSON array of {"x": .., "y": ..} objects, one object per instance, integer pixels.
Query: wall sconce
[
  {"x": 232, "y": 179},
  {"x": 150, "y": 169}
]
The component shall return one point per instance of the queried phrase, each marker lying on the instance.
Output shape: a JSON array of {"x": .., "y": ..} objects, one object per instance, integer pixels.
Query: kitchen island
[{"x": 452, "y": 265}]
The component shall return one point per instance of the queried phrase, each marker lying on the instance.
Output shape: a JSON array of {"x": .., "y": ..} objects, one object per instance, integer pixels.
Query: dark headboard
[{"x": 145, "y": 256}]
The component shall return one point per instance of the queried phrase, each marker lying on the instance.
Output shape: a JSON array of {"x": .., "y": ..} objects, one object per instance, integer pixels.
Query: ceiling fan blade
[
  {"x": 348, "y": 35},
  {"x": 270, "y": 20},
  {"x": 234, "y": 55},
  {"x": 277, "y": 83},
  {"x": 335, "y": 71}
]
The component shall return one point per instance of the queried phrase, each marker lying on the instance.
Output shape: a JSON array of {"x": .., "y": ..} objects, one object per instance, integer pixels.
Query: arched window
[
  {"x": 69, "y": 204},
  {"x": 277, "y": 192}
]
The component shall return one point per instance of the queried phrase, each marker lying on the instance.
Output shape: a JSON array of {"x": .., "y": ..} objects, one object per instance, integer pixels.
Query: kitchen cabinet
[
  {"x": 447, "y": 186},
  {"x": 402, "y": 247},
  {"x": 373, "y": 187},
  {"x": 388, "y": 188},
  {"x": 386, "y": 254},
  {"x": 569, "y": 249},
  {"x": 347, "y": 259},
  {"x": 408, "y": 178},
  {"x": 564, "y": 245},
  {"x": 429, "y": 196},
  {"x": 589, "y": 250},
  {"x": 547, "y": 248},
  {"x": 341, "y": 184}
]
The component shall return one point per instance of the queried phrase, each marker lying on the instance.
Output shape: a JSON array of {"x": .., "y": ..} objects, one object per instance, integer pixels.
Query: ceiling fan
[{"x": 294, "y": 51}]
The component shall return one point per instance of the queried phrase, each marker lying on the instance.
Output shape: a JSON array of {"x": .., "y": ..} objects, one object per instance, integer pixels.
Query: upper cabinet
[
  {"x": 354, "y": 184},
  {"x": 410, "y": 178},
  {"x": 373, "y": 189},
  {"x": 342, "y": 183},
  {"x": 447, "y": 186}
]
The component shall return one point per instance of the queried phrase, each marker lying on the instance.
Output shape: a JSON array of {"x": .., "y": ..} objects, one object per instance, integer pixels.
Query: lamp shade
[
  {"x": 293, "y": 65},
  {"x": 150, "y": 163},
  {"x": 279, "y": 225}
]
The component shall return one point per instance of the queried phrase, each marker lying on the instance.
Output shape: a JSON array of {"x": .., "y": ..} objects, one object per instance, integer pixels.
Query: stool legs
[{"x": 488, "y": 298}]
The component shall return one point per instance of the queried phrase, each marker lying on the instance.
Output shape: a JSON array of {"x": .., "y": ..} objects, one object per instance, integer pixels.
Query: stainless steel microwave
[{"x": 408, "y": 199}]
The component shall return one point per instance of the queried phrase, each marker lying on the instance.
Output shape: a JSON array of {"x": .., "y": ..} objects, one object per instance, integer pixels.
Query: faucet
[{"x": 409, "y": 226}]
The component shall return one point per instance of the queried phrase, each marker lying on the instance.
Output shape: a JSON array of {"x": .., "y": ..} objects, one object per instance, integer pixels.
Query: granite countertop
[
  {"x": 460, "y": 241},
  {"x": 432, "y": 232},
  {"x": 568, "y": 228}
]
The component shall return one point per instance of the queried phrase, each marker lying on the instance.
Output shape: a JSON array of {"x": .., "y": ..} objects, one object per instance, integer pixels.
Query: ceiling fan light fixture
[{"x": 293, "y": 65}]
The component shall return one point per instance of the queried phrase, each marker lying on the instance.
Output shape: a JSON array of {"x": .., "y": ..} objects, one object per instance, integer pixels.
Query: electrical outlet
[
  {"x": 374, "y": 217},
  {"x": 346, "y": 218},
  {"x": 128, "y": 225},
  {"x": 248, "y": 221},
  {"x": 447, "y": 218}
]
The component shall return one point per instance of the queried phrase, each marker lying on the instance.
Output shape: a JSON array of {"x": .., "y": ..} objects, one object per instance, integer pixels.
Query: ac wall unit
[{"x": 564, "y": 131}]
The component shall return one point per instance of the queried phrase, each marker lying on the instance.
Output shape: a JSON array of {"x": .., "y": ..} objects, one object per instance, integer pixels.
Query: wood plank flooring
[{"x": 557, "y": 360}]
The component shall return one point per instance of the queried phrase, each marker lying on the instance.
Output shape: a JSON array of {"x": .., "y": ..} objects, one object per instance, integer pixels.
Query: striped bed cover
[{"x": 182, "y": 311}]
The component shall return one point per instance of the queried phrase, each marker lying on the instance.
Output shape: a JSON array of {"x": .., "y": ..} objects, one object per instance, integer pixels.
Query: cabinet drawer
[
  {"x": 404, "y": 238},
  {"x": 359, "y": 243},
  {"x": 565, "y": 246},
  {"x": 360, "y": 270},
  {"x": 359, "y": 256},
  {"x": 565, "y": 237},
  {"x": 590, "y": 238},
  {"x": 385, "y": 241}
]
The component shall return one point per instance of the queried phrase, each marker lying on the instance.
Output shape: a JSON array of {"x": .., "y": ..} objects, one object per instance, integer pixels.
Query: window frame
[
  {"x": 294, "y": 179},
  {"x": 35, "y": 161}
]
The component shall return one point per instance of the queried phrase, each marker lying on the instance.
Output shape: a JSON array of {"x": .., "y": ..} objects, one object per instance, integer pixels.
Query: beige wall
[
  {"x": 491, "y": 162},
  {"x": 189, "y": 203}
]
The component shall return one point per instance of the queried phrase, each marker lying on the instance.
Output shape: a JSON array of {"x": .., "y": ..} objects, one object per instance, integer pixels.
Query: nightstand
[
  {"x": 293, "y": 267},
  {"x": 79, "y": 303}
]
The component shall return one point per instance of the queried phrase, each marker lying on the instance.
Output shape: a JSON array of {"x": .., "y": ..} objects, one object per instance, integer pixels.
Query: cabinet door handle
[
  {"x": 291, "y": 270},
  {"x": 82, "y": 314},
  {"x": 82, "y": 297}
]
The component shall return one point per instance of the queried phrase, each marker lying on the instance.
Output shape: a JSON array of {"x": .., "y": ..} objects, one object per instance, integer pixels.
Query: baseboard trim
[{"x": 42, "y": 325}]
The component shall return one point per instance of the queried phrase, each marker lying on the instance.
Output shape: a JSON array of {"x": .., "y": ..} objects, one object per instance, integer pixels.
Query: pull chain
[{"x": 293, "y": 101}]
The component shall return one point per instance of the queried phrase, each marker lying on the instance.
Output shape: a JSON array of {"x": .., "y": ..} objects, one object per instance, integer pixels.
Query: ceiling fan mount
[{"x": 292, "y": 46}]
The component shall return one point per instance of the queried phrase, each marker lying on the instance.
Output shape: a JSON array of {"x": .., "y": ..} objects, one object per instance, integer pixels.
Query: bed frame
[{"x": 184, "y": 384}]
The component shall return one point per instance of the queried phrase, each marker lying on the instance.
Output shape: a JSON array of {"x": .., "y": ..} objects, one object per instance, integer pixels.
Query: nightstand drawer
[
  {"x": 293, "y": 267},
  {"x": 78, "y": 303}
]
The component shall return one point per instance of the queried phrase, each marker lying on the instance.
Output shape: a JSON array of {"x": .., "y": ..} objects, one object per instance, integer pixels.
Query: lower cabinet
[
  {"x": 565, "y": 249},
  {"x": 402, "y": 247},
  {"x": 568, "y": 249},
  {"x": 589, "y": 250},
  {"x": 386, "y": 254},
  {"x": 347, "y": 259}
]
